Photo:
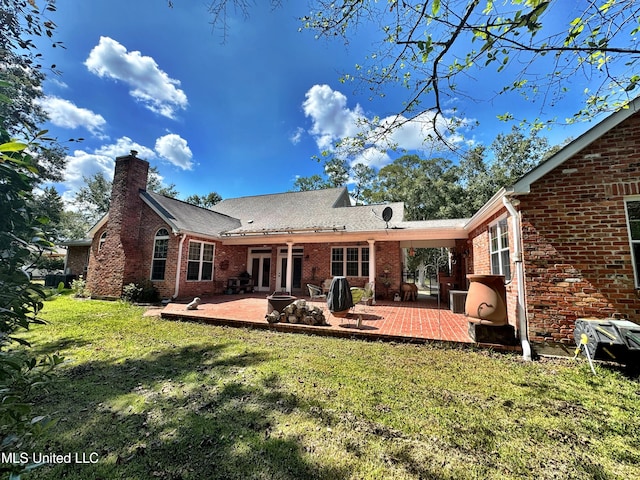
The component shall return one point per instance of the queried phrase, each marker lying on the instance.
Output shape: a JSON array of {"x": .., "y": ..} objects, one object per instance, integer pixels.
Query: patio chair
[
  {"x": 315, "y": 292},
  {"x": 369, "y": 293},
  {"x": 362, "y": 296}
]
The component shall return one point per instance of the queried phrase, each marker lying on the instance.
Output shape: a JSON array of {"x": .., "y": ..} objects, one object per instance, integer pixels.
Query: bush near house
[
  {"x": 159, "y": 399},
  {"x": 140, "y": 292}
]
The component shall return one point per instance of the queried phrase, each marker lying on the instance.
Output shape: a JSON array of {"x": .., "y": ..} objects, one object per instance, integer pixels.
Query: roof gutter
[{"x": 521, "y": 310}]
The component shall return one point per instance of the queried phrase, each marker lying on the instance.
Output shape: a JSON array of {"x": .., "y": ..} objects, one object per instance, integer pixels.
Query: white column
[
  {"x": 289, "y": 267},
  {"x": 372, "y": 266}
]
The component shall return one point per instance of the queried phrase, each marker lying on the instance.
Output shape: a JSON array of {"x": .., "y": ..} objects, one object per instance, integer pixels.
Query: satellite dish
[{"x": 387, "y": 213}]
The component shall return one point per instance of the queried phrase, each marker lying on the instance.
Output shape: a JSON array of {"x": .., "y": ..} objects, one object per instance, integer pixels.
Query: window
[
  {"x": 499, "y": 249},
  {"x": 200, "y": 263},
  {"x": 103, "y": 238},
  {"x": 633, "y": 222},
  {"x": 160, "y": 248},
  {"x": 350, "y": 261}
]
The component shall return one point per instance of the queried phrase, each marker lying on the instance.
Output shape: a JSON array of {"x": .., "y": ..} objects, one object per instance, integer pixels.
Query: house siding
[{"x": 577, "y": 254}]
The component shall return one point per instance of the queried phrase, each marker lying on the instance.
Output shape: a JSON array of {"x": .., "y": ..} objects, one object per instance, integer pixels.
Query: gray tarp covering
[{"x": 339, "y": 295}]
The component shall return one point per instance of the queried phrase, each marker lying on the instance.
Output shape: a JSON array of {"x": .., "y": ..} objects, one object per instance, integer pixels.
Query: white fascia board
[{"x": 99, "y": 224}]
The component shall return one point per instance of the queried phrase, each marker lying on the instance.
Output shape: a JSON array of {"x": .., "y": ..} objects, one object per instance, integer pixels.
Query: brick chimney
[{"x": 117, "y": 261}]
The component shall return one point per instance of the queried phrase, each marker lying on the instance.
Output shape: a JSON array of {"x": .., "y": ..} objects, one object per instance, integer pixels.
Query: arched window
[
  {"x": 160, "y": 248},
  {"x": 103, "y": 238}
]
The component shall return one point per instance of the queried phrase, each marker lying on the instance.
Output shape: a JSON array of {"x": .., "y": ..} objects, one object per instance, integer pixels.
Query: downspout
[
  {"x": 177, "y": 289},
  {"x": 518, "y": 261}
]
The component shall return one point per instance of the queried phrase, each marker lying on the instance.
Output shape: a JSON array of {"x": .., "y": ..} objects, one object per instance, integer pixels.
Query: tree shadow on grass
[
  {"x": 58, "y": 345},
  {"x": 193, "y": 412}
]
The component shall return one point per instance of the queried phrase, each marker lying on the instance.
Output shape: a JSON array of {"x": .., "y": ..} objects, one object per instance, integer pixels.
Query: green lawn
[{"x": 158, "y": 399}]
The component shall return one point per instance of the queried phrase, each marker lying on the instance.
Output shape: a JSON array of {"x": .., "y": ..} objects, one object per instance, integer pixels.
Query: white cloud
[
  {"x": 333, "y": 120},
  {"x": 58, "y": 83},
  {"x": 88, "y": 163},
  {"x": 372, "y": 157},
  {"x": 149, "y": 84},
  {"x": 123, "y": 146},
  {"x": 175, "y": 150},
  {"x": 296, "y": 137},
  {"x": 65, "y": 114}
]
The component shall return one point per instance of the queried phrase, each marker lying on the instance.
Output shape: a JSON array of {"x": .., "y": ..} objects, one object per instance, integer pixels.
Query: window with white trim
[
  {"x": 633, "y": 223},
  {"x": 350, "y": 261},
  {"x": 103, "y": 238},
  {"x": 200, "y": 262},
  {"x": 499, "y": 249},
  {"x": 160, "y": 250}
]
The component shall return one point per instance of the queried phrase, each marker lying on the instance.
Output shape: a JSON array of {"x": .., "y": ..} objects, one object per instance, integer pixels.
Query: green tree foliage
[
  {"x": 337, "y": 171},
  {"x": 537, "y": 45},
  {"x": 49, "y": 205},
  {"x": 73, "y": 225},
  {"x": 436, "y": 188},
  {"x": 204, "y": 201},
  {"x": 21, "y": 238},
  {"x": 364, "y": 178},
  {"x": 21, "y": 77},
  {"x": 429, "y": 188},
  {"x": 155, "y": 184},
  {"x": 93, "y": 198},
  {"x": 485, "y": 170},
  {"x": 22, "y": 230},
  {"x": 313, "y": 182}
]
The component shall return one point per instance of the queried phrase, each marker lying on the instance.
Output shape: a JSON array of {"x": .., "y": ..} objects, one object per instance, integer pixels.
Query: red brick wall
[
  {"x": 119, "y": 261},
  {"x": 230, "y": 261},
  {"x": 77, "y": 260},
  {"x": 577, "y": 254},
  {"x": 317, "y": 267},
  {"x": 480, "y": 260}
]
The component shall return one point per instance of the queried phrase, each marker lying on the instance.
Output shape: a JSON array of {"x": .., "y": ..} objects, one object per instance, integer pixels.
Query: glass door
[
  {"x": 260, "y": 261},
  {"x": 281, "y": 274}
]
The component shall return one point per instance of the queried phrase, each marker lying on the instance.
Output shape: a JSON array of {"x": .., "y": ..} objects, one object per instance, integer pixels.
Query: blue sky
[{"x": 242, "y": 117}]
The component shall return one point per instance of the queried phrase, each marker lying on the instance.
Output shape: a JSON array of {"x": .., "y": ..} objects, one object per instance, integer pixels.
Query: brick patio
[{"x": 419, "y": 321}]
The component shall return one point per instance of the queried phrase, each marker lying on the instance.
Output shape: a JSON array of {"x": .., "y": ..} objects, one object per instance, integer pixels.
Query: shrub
[
  {"x": 141, "y": 292},
  {"x": 131, "y": 293},
  {"x": 79, "y": 287}
]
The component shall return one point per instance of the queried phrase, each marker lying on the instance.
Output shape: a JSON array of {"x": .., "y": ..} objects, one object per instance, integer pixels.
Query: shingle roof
[
  {"x": 295, "y": 212},
  {"x": 184, "y": 217},
  {"x": 319, "y": 210}
]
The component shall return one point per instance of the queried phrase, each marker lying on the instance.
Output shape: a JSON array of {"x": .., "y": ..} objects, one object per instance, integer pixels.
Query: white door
[{"x": 260, "y": 262}]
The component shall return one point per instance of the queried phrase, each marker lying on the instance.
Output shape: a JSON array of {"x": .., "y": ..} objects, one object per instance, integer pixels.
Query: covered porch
[{"x": 418, "y": 322}]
